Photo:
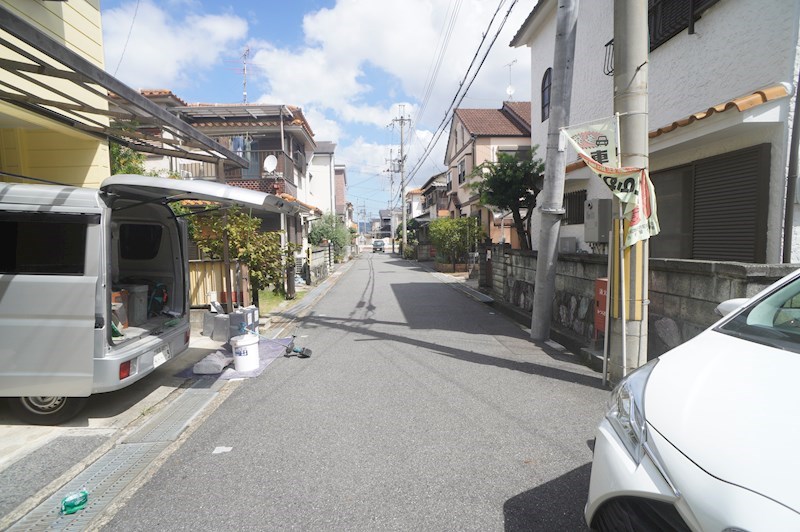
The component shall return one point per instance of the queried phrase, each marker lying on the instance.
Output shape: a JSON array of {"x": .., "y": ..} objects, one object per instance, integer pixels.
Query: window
[
  {"x": 717, "y": 207},
  {"x": 139, "y": 241},
  {"x": 573, "y": 204},
  {"x": 547, "y": 81},
  {"x": 667, "y": 18},
  {"x": 40, "y": 243},
  {"x": 462, "y": 171}
]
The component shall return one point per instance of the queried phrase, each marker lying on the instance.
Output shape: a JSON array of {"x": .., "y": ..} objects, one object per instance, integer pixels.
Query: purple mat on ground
[{"x": 268, "y": 350}]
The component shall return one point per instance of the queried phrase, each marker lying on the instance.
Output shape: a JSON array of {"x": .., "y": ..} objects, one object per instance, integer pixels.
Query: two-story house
[
  {"x": 478, "y": 135},
  {"x": 722, "y": 91}
]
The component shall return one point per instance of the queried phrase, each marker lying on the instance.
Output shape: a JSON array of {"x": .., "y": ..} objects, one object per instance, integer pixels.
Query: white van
[{"x": 94, "y": 286}]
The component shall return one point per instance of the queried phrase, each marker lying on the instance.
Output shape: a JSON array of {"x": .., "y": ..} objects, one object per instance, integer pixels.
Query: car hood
[{"x": 731, "y": 406}]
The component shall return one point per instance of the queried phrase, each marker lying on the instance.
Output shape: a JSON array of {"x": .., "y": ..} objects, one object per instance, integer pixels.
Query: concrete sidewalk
[{"x": 36, "y": 461}]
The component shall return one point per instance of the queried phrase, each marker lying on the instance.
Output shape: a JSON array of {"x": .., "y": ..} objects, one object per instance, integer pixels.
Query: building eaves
[
  {"x": 741, "y": 104},
  {"x": 531, "y": 23}
]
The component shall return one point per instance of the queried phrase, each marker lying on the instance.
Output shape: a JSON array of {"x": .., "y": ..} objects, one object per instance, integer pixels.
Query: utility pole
[
  {"x": 628, "y": 314},
  {"x": 552, "y": 194},
  {"x": 402, "y": 163}
]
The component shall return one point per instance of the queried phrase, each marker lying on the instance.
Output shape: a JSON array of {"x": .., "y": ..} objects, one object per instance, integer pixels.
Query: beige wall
[{"x": 39, "y": 147}]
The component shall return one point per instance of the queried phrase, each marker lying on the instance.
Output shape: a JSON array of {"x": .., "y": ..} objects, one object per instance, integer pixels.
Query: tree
[
  {"x": 454, "y": 237},
  {"x": 511, "y": 184},
  {"x": 330, "y": 228},
  {"x": 411, "y": 231},
  {"x": 260, "y": 250},
  {"x": 125, "y": 160}
]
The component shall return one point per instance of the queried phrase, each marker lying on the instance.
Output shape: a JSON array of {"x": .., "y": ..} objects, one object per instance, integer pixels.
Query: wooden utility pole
[
  {"x": 551, "y": 198},
  {"x": 629, "y": 268}
]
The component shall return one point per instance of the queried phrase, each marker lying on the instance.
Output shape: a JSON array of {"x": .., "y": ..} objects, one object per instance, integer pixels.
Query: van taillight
[
  {"x": 125, "y": 370},
  {"x": 186, "y": 337}
]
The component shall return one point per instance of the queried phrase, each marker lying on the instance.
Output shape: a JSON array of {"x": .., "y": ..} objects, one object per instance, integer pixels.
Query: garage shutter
[{"x": 730, "y": 197}]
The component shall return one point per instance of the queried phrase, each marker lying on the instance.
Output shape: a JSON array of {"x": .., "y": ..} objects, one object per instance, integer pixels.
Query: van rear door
[{"x": 159, "y": 189}]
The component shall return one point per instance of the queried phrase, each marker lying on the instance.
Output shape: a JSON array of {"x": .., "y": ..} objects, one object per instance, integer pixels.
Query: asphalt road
[{"x": 420, "y": 409}]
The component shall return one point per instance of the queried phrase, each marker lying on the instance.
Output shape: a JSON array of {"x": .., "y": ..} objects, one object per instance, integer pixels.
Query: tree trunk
[{"x": 519, "y": 225}]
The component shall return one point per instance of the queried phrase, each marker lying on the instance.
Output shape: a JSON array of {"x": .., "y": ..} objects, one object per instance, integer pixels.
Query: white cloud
[
  {"x": 164, "y": 51},
  {"x": 357, "y": 59}
]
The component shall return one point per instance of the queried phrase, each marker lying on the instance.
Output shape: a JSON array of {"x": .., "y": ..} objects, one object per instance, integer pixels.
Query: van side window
[
  {"x": 43, "y": 243},
  {"x": 139, "y": 241}
]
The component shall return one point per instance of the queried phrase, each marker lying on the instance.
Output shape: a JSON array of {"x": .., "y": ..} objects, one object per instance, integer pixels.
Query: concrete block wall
[{"x": 683, "y": 293}]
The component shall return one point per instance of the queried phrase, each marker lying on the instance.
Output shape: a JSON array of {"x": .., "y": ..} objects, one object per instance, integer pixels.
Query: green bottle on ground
[{"x": 74, "y": 502}]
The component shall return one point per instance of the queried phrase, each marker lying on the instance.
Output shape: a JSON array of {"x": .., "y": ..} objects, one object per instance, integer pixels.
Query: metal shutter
[{"x": 730, "y": 206}]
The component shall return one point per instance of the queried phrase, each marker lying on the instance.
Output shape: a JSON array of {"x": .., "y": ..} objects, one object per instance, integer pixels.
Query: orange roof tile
[
  {"x": 742, "y": 103},
  {"x": 490, "y": 122}
]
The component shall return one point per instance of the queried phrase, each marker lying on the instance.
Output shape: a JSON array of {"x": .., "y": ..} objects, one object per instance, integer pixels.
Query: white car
[{"x": 707, "y": 436}]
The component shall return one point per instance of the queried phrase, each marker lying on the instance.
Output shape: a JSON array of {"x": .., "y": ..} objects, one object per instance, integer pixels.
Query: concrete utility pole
[
  {"x": 402, "y": 164},
  {"x": 628, "y": 334},
  {"x": 552, "y": 194}
]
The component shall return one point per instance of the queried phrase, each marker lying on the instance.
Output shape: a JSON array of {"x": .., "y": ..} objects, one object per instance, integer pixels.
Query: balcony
[{"x": 283, "y": 178}]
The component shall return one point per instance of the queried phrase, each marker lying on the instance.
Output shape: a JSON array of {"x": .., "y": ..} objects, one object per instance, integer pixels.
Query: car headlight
[{"x": 626, "y": 410}]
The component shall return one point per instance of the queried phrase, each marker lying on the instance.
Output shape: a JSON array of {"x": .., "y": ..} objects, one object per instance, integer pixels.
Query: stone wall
[{"x": 683, "y": 293}]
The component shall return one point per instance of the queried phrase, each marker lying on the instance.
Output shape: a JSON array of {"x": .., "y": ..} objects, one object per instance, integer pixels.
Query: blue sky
[{"x": 350, "y": 64}]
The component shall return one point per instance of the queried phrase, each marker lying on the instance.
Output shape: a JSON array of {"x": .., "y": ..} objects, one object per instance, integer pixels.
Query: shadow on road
[
  {"x": 532, "y": 368},
  {"x": 555, "y": 505}
]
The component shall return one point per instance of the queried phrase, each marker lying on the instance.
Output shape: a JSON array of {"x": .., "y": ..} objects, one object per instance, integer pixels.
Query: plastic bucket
[{"x": 245, "y": 352}]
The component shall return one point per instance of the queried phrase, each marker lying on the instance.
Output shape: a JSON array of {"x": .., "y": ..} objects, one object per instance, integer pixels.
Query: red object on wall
[{"x": 600, "y": 292}]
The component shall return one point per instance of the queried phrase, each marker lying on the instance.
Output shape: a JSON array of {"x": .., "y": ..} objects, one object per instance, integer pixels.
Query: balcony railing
[{"x": 285, "y": 167}]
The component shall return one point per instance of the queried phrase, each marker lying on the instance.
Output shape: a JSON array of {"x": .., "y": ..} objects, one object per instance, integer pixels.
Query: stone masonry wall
[{"x": 683, "y": 293}]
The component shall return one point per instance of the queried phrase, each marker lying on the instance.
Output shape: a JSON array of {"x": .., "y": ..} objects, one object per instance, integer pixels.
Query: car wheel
[{"x": 46, "y": 410}]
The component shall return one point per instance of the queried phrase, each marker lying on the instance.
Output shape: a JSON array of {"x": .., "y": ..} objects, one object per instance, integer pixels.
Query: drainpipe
[{"x": 791, "y": 179}]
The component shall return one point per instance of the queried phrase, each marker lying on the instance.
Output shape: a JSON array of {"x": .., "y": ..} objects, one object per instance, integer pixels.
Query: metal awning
[{"x": 46, "y": 78}]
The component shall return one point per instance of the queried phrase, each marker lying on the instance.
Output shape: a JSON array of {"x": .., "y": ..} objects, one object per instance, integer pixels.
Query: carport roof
[{"x": 50, "y": 80}]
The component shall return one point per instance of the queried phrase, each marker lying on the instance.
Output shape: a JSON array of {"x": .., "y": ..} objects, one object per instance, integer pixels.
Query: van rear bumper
[{"x": 144, "y": 356}]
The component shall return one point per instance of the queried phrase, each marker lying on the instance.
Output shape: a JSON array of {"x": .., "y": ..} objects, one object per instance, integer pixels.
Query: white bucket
[{"x": 245, "y": 352}]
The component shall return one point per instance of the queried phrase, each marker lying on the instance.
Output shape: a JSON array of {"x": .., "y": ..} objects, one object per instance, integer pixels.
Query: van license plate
[{"x": 161, "y": 356}]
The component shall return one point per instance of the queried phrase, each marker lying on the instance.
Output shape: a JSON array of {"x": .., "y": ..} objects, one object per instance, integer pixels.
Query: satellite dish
[
  {"x": 270, "y": 163},
  {"x": 510, "y": 90}
]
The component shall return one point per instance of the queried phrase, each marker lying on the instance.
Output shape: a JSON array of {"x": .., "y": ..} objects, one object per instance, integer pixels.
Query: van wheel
[{"x": 46, "y": 410}]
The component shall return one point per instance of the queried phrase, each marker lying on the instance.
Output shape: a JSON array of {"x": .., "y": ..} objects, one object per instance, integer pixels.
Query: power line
[
  {"x": 128, "y": 38},
  {"x": 454, "y": 104},
  {"x": 433, "y": 70}
]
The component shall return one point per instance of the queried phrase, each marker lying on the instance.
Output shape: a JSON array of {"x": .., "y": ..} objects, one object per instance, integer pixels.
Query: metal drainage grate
[
  {"x": 104, "y": 480},
  {"x": 168, "y": 424}
]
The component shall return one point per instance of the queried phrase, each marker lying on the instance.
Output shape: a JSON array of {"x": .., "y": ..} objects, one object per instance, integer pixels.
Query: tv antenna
[
  {"x": 510, "y": 89},
  {"x": 245, "y": 55}
]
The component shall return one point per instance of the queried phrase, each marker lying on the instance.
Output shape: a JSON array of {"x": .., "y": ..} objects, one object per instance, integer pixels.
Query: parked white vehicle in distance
[{"x": 705, "y": 437}]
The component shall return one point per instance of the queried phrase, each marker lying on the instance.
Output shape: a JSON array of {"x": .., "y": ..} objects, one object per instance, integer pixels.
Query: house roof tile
[
  {"x": 506, "y": 122},
  {"x": 742, "y": 103}
]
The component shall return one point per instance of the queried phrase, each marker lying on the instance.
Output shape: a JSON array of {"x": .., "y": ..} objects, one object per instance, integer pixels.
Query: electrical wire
[
  {"x": 127, "y": 39},
  {"x": 433, "y": 70},
  {"x": 456, "y": 100}
]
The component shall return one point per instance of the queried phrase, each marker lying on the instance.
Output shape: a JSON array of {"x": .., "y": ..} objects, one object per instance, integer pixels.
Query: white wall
[
  {"x": 739, "y": 46},
  {"x": 319, "y": 190}
]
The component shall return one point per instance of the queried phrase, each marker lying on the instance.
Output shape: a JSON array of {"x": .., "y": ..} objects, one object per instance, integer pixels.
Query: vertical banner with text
[{"x": 596, "y": 145}]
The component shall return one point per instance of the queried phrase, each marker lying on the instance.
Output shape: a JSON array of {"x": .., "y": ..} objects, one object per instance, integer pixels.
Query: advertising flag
[{"x": 596, "y": 145}]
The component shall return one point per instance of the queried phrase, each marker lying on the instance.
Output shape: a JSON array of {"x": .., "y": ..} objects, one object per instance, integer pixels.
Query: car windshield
[{"x": 773, "y": 320}]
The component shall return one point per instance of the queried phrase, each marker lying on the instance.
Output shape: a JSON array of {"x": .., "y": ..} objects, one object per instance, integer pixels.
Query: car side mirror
[{"x": 726, "y": 307}]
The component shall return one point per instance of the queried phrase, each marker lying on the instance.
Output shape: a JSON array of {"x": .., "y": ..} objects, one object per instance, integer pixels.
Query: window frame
[{"x": 547, "y": 85}]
